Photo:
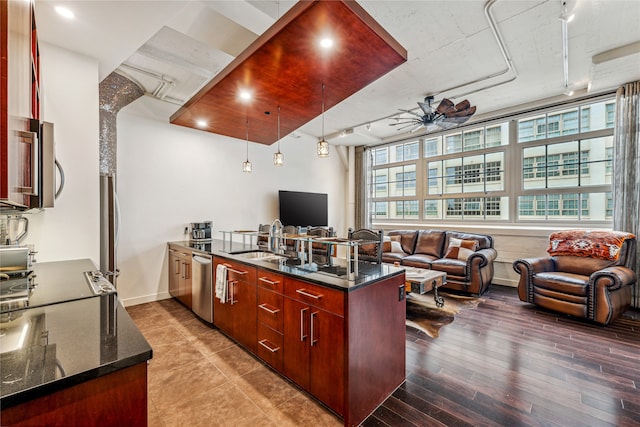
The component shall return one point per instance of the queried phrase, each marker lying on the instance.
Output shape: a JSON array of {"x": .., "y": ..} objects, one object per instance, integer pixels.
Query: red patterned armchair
[{"x": 586, "y": 274}]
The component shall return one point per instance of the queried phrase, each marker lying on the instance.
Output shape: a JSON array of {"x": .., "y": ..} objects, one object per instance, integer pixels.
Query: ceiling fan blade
[
  {"x": 447, "y": 124},
  {"x": 456, "y": 120},
  {"x": 432, "y": 127},
  {"x": 406, "y": 121},
  {"x": 445, "y": 106},
  {"x": 410, "y": 112},
  {"x": 426, "y": 107},
  {"x": 462, "y": 105},
  {"x": 415, "y": 126},
  {"x": 463, "y": 113},
  {"x": 418, "y": 126}
]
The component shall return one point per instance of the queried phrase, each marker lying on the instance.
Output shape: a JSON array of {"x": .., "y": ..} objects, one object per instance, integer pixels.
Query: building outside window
[{"x": 560, "y": 170}]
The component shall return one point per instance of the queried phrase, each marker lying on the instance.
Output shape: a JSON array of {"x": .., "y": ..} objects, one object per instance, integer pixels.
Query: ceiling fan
[{"x": 445, "y": 116}]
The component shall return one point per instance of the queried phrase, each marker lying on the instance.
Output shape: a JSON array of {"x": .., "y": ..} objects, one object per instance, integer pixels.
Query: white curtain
[{"x": 626, "y": 167}]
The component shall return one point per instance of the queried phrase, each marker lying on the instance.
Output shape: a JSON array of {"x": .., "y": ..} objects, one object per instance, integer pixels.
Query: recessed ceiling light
[
  {"x": 63, "y": 11},
  {"x": 245, "y": 95},
  {"x": 201, "y": 123},
  {"x": 326, "y": 42}
]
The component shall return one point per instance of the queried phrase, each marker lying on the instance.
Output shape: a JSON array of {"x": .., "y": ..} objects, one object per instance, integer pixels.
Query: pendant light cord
[
  {"x": 323, "y": 111},
  {"x": 247, "y": 139},
  {"x": 278, "y": 128}
]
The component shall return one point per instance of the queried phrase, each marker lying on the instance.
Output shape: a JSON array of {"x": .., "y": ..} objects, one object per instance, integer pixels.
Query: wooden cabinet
[
  {"x": 314, "y": 340},
  {"x": 180, "y": 274},
  {"x": 271, "y": 318},
  {"x": 237, "y": 315},
  {"x": 116, "y": 399},
  {"x": 19, "y": 102},
  {"x": 346, "y": 347}
]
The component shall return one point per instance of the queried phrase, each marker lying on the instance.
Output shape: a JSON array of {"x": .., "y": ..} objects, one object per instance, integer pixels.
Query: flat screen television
[{"x": 303, "y": 209}]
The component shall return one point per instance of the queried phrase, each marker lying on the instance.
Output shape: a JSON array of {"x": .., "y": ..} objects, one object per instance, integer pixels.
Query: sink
[{"x": 262, "y": 256}]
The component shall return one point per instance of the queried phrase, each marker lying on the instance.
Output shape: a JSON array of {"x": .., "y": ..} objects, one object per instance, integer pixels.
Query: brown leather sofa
[
  {"x": 430, "y": 249},
  {"x": 587, "y": 287}
]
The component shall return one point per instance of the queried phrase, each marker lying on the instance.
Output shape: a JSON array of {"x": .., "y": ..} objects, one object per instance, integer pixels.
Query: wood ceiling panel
[{"x": 286, "y": 66}]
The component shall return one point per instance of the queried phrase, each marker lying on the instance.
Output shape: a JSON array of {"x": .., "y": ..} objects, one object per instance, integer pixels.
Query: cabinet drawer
[
  {"x": 270, "y": 309},
  {"x": 271, "y": 281},
  {"x": 319, "y": 296},
  {"x": 270, "y": 346},
  {"x": 239, "y": 272}
]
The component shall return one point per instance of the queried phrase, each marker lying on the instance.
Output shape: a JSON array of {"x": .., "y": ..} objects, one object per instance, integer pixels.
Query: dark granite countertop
[
  {"x": 55, "y": 282},
  {"x": 368, "y": 273},
  {"x": 51, "y": 347}
]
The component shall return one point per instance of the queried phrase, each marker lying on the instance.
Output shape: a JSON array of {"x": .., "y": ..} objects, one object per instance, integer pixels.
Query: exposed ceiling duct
[{"x": 115, "y": 92}]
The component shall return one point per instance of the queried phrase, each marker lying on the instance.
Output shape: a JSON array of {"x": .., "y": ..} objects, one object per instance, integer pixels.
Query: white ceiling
[{"x": 172, "y": 48}]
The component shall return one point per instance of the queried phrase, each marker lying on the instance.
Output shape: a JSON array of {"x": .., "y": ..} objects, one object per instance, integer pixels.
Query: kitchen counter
[
  {"x": 69, "y": 337},
  {"x": 367, "y": 272},
  {"x": 56, "y": 282},
  {"x": 340, "y": 338}
]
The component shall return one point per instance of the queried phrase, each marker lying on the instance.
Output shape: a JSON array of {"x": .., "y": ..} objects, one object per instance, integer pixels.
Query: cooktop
[{"x": 55, "y": 282}]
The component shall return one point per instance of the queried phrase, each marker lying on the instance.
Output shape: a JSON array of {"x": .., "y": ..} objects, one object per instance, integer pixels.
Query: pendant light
[
  {"x": 278, "y": 158},
  {"x": 323, "y": 146},
  {"x": 246, "y": 165}
]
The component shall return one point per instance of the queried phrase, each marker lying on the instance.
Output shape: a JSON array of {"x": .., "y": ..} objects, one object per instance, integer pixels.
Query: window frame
[{"x": 510, "y": 172}]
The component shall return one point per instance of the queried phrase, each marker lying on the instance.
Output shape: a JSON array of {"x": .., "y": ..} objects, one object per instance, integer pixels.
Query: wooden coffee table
[{"x": 421, "y": 281}]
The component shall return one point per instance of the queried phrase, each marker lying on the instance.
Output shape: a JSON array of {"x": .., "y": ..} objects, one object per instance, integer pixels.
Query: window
[
  {"x": 493, "y": 136},
  {"x": 610, "y": 115},
  {"x": 609, "y": 160},
  {"x": 432, "y": 147},
  {"x": 585, "y": 121},
  {"x": 563, "y": 174},
  {"x": 406, "y": 209},
  {"x": 395, "y": 181},
  {"x": 470, "y": 208},
  {"x": 407, "y": 151},
  {"x": 453, "y": 143},
  {"x": 473, "y": 140},
  {"x": 466, "y": 174},
  {"x": 381, "y": 156}
]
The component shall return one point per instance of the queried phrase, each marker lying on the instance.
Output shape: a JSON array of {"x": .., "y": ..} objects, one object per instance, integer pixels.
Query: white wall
[
  {"x": 169, "y": 176},
  {"x": 69, "y": 84}
]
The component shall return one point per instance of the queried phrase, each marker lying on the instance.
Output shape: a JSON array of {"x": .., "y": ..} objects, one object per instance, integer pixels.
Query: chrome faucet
[{"x": 275, "y": 232}]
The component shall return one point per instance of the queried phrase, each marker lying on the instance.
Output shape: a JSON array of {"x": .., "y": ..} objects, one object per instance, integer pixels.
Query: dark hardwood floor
[{"x": 508, "y": 363}]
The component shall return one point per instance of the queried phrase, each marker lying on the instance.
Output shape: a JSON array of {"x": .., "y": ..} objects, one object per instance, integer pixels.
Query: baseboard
[
  {"x": 505, "y": 282},
  {"x": 144, "y": 299}
]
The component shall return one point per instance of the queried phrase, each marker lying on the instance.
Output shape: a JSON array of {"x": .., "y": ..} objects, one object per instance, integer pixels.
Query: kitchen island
[
  {"x": 340, "y": 339},
  {"x": 73, "y": 357}
]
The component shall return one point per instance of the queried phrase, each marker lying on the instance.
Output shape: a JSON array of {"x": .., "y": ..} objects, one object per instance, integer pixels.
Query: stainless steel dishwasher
[{"x": 202, "y": 286}]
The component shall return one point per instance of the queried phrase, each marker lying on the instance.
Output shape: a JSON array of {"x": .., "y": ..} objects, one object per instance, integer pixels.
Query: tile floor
[{"x": 199, "y": 377}]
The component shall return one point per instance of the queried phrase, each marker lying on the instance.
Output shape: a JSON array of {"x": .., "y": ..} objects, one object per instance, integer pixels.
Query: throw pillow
[
  {"x": 461, "y": 249},
  {"x": 588, "y": 243},
  {"x": 392, "y": 244}
]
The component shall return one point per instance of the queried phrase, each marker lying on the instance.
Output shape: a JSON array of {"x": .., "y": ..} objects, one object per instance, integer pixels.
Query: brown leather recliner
[{"x": 588, "y": 287}]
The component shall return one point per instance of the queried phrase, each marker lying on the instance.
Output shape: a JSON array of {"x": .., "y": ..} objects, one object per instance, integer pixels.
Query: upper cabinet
[{"x": 19, "y": 102}]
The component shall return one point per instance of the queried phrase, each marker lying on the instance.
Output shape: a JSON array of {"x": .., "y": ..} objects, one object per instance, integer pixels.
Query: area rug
[{"x": 423, "y": 315}]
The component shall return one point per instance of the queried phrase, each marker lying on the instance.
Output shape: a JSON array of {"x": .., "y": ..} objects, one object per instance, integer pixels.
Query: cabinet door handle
[
  {"x": 266, "y": 345},
  {"x": 311, "y": 317},
  {"x": 307, "y": 293},
  {"x": 233, "y": 270},
  {"x": 265, "y": 307},
  {"x": 187, "y": 270},
  {"x": 269, "y": 282},
  {"x": 302, "y": 335},
  {"x": 177, "y": 265},
  {"x": 182, "y": 270},
  {"x": 231, "y": 288}
]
